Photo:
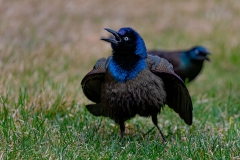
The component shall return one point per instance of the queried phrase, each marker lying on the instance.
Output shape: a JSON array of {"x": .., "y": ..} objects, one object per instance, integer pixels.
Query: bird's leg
[
  {"x": 149, "y": 131},
  {"x": 122, "y": 128},
  {"x": 155, "y": 122}
]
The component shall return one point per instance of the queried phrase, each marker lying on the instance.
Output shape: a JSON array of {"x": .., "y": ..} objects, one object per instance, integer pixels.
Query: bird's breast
[
  {"x": 190, "y": 69},
  {"x": 143, "y": 95}
]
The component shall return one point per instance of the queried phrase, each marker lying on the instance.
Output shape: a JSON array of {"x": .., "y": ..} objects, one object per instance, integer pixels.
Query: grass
[{"x": 45, "y": 50}]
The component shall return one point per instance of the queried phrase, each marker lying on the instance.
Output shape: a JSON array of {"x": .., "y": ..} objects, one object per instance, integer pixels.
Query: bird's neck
[{"x": 125, "y": 67}]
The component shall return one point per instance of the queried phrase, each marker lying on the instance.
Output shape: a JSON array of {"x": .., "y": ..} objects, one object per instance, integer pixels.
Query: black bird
[
  {"x": 131, "y": 82},
  {"x": 186, "y": 63}
]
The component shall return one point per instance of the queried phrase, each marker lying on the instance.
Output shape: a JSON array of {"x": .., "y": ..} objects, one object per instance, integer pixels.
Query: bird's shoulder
[
  {"x": 160, "y": 65},
  {"x": 100, "y": 66},
  {"x": 91, "y": 83},
  {"x": 173, "y": 57}
]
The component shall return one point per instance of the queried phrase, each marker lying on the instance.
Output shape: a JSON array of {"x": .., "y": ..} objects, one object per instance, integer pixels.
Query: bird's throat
[
  {"x": 124, "y": 68},
  {"x": 126, "y": 61}
]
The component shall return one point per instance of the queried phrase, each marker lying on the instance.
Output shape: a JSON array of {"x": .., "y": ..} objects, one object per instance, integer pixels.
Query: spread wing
[
  {"x": 91, "y": 83},
  {"x": 178, "y": 97}
]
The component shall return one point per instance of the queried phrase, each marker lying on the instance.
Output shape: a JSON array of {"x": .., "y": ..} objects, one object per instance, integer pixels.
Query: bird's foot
[
  {"x": 148, "y": 131},
  {"x": 164, "y": 140}
]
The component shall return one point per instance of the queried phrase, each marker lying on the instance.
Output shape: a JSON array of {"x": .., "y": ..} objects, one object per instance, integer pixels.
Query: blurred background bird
[
  {"x": 186, "y": 63},
  {"x": 131, "y": 82}
]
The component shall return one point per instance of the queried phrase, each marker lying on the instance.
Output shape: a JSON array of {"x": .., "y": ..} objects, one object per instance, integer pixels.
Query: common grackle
[
  {"x": 131, "y": 82},
  {"x": 186, "y": 63}
]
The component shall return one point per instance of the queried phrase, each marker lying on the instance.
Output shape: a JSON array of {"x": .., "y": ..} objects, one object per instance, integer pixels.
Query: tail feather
[{"x": 97, "y": 110}]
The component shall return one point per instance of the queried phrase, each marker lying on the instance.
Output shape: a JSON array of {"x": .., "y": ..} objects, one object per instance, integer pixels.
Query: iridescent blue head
[
  {"x": 129, "y": 54},
  {"x": 198, "y": 53}
]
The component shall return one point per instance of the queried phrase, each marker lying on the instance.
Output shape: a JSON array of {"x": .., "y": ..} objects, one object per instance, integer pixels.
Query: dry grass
[{"x": 45, "y": 34}]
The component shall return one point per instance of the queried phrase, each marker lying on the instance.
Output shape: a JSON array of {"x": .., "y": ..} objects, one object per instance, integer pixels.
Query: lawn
[{"x": 46, "y": 47}]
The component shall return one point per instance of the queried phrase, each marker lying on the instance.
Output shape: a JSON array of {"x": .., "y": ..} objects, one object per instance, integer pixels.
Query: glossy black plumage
[
  {"x": 152, "y": 88},
  {"x": 186, "y": 63}
]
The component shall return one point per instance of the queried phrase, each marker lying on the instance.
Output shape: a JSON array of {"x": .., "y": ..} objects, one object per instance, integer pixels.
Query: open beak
[
  {"x": 207, "y": 59},
  {"x": 115, "y": 40},
  {"x": 207, "y": 53},
  {"x": 203, "y": 53},
  {"x": 204, "y": 56}
]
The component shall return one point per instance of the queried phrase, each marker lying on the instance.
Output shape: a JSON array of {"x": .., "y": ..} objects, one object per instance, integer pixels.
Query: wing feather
[
  {"x": 178, "y": 97},
  {"x": 91, "y": 83}
]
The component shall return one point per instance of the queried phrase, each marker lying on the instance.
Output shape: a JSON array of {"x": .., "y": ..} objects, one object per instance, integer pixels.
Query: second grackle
[{"x": 186, "y": 63}]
